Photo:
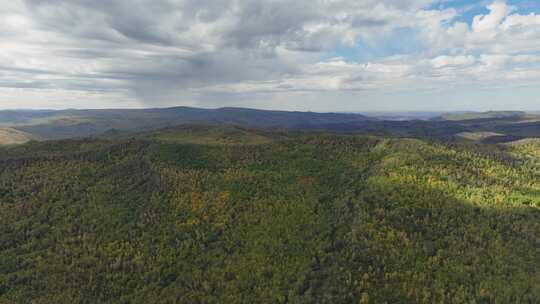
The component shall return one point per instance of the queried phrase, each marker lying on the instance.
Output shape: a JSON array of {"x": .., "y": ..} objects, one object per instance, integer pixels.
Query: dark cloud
[
  {"x": 25, "y": 85},
  {"x": 223, "y": 41},
  {"x": 170, "y": 74},
  {"x": 268, "y": 24}
]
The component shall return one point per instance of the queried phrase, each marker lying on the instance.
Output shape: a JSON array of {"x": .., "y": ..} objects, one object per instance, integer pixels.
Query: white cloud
[
  {"x": 502, "y": 31},
  {"x": 168, "y": 52},
  {"x": 452, "y": 61},
  {"x": 490, "y": 22}
]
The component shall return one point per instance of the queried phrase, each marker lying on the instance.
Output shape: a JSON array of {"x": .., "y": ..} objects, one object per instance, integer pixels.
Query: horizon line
[{"x": 267, "y": 109}]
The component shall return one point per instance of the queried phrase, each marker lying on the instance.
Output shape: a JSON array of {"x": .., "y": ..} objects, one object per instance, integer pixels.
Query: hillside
[
  {"x": 481, "y": 115},
  {"x": 82, "y": 123},
  {"x": 491, "y": 127},
  {"x": 10, "y": 136},
  {"x": 209, "y": 214}
]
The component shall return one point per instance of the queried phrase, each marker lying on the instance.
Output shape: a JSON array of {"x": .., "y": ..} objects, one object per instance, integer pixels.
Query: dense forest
[{"x": 199, "y": 214}]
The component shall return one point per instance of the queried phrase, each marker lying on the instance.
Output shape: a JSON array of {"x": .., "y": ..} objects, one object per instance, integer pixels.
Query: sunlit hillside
[{"x": 231, "y": 215}]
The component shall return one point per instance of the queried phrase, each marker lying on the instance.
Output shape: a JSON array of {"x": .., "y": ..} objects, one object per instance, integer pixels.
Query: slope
[
  {"x": 83, "y": 123},
  {"x": 490, "y": 127},
  {"x": 211, "y": 215},
  {"x": 482, "y": 115},
  {"x": 10, "y": 136}
]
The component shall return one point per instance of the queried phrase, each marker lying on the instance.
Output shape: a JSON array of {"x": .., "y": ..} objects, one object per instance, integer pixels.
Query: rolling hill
[
  {"x": 11, "y": 136},
  {"x": 482, "y": 115},
  {"x": 83, "y": 123},
  {"x": 46, "y": 125},
  {"x": 213, "y": 214}
]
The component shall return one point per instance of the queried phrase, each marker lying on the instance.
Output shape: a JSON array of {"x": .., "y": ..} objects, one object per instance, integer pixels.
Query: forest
[{"x": 224, "y": 214}]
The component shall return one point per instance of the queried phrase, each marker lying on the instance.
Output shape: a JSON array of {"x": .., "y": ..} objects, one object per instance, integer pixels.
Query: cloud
[
  {"x": 452, "y": 61},
  {"x": 490, "y": 22},
  {"x": 167, "y": 52},
  {"x": 501, "y": 30}
]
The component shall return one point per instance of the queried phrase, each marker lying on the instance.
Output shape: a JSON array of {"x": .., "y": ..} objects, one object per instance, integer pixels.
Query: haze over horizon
[
  {"x": 321, "y": 56},
  {"x": 374, "y": 113}
]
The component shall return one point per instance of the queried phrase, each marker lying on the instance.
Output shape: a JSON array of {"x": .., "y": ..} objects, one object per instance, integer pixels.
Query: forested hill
[
  {"x": 82, "y": 123},
  {"x": 199, "y": 214},
  {"x": 482, "y": 115},
  {"x": 22, "y": 126}
]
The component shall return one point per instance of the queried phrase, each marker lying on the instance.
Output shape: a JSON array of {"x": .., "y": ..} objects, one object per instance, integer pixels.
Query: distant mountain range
[
  {"x": 456, "y": 116},
  {"x": 18, "y": 126},
  {"x": 81, "y": 123}
]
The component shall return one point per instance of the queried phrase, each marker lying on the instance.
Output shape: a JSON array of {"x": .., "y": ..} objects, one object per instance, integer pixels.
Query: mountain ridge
[{"x": 76, "y": 123}]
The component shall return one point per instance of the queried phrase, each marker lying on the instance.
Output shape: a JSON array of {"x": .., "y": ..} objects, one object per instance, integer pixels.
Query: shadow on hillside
[{"x": 457, "y": 250}]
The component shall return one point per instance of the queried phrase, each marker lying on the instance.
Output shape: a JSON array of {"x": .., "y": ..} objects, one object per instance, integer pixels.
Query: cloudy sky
[{"x": 319, "y": 55}]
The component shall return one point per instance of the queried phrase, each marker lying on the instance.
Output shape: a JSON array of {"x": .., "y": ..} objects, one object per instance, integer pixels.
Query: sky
[{"x": 316, "y": 55}]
